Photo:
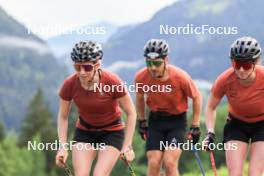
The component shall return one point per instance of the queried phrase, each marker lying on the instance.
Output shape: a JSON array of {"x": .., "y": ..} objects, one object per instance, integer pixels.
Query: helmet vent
[
  {"x": 246, "y": 50},
  {"x": 236, "y": 50},
  {"x": 158, "y": 47},
  {"x": 240, "y": 50}
]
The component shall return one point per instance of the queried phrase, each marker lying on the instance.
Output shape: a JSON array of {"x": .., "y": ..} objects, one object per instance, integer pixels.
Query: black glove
[
  {"x": 209, "y": 139},
  {"x": 143, "y": 129},
  {"x": 194, "y": 134}
]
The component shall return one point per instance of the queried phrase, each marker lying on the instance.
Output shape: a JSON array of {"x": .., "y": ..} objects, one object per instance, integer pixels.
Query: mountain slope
[
  {"x": 63, "y": 43},
  {"x": 26, "y": 63},
  {"x": 203, "y": 56}
]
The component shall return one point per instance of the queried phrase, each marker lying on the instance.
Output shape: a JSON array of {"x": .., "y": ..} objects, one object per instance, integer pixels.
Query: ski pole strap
[{"x": 213, "y": 162}]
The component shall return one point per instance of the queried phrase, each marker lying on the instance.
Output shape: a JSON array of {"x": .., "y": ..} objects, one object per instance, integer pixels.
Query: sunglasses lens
[
  {"x": 155, "y": 63},
  {"x": 148, "y": 63},
  {"x": 86, "y": 67},
  {"x": 245, "y": 65}
]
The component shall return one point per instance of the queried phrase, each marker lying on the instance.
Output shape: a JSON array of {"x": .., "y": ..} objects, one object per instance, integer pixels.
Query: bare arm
[
  {"x": 197, "y": 104},
  {"x": 140, "y": 106},
  {"x": 210, "y": 112},
  {"x": 62, "y": 120},
  {"x": 127, "y": 105},
  {"x": 63, "y": 114}
]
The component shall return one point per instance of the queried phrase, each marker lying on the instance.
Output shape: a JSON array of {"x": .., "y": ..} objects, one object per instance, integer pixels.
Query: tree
[
  {"x": 2, "y": 131},
  {"x": 38, "y": 120},
  {"x": 20, "y": 161}
]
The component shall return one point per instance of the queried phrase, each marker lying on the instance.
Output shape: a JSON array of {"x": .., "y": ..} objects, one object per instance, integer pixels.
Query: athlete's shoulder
[
  {"x": 108, "y": 73},
  {"x": 227, "y": 73},
  {"x": 67, "y": 87},
  {"x": 178, "y": 72},
  {"x": 71, "y": 79},
  {"x": 109, "y": 76},
  {"x": 227, "y": 76},
  {"x": 260, "y": 73},
  {"x": 142, "y": 74},
  {"x": 260, "y": 69}
]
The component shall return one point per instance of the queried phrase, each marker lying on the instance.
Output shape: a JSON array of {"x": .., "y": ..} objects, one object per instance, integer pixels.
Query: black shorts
[
  {"x": 165, "y": 131},
  {"x": 236, "y": 129},
  {"x": 99, "y": 138}
]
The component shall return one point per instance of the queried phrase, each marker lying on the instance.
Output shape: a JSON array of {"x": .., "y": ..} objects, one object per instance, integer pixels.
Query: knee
[
  {"x": 235, "y": 172},
  {"x": 170, "y": 164},
  {"x": 81, "y": 169},
  {"x": 256, "y": 170},
  {"x": 154, "y": 163}
]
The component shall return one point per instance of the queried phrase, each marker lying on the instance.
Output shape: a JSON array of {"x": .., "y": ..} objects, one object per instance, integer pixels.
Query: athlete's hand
[
  {"x": 127, "y": 153},
  {"x": 143, "y": 129},
  {"x": 61, "y": 158},
  {"x": 208, "y": 141},
  {"x": 194, "y": 134}
]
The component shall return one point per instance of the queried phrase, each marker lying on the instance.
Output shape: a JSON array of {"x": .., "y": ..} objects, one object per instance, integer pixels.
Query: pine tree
[
  {"x": 2, "y": 131},
  {"x": 38, "y": 121}
]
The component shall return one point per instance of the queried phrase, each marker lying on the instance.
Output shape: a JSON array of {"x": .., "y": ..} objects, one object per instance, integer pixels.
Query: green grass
[{"x": 222, "y": 171}]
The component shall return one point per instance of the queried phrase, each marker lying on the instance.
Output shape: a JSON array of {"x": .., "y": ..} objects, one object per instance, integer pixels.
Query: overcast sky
[{"x": 66, "y": 13}]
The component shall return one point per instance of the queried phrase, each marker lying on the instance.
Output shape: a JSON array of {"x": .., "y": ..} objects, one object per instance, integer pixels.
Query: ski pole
[
  {"x": 197, "y": 157},
  {"x": 213, "y": 162},
  {"x": 131, "y": 171},
  {"x": 68, "y": 170}
]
